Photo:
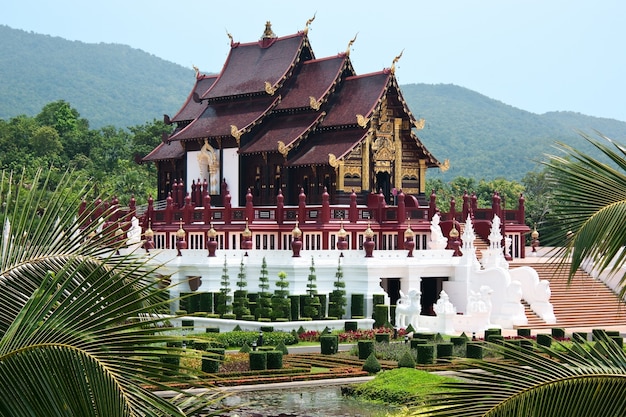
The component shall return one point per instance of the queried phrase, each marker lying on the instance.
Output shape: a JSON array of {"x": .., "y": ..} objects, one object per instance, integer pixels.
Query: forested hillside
[
  {"x": 115, "y": 85},
  {"x": 108, "y": 84}
]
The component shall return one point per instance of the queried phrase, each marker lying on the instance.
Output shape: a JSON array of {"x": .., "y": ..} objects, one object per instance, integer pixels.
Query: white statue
[
  {"x": 495, "y": 237},
  {"x": 479, "y": 307},
  {"x": 443, "y": 305},
  {"x": 408, "y": 309},
  {"x": 134, "y": 232},
  {"x": 437, "y": 239}
]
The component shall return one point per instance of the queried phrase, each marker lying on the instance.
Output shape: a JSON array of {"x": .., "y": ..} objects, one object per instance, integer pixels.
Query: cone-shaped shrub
[
  {"x": 371, "y": 364},
  {"x": 282, "y": 348},
  {"x": 406, "y": 361},
  {"x": 245, "y": 348}
]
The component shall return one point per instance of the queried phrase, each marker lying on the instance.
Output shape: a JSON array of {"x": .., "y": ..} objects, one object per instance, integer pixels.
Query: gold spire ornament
[
  {"x": 395, "y": 60},
  {"x": 308, "y": 23},
  {"x": 351, "y": 43}
]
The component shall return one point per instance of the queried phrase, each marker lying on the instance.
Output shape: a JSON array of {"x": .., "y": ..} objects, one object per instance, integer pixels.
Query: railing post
[
  {"x": 249, "y": 206},
  {"x": 353, "y": 213},
  {"x": 325, "y": 217},
  {"x": 401, "y": 208}
]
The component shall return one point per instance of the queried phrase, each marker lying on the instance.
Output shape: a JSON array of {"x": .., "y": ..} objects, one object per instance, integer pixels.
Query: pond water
[{"x": 301, "y": 402}]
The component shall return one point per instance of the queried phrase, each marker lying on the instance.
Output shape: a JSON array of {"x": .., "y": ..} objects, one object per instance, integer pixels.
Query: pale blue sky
[{"x": 537, "y": 55}]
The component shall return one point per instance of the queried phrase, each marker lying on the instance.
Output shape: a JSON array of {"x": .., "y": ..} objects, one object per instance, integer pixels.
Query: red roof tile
[
  {"x": 315, "y": 79},
  {"x": 316, "y": 149},
  {"x": 358, "y": 95},
  {"x": 190, "y": 110},
  {"x": 250, "y": 65},
  {"x": 287, "y": 129},
  {"x": 217, "y": 118},
  {"x": 173, "y": 150}
]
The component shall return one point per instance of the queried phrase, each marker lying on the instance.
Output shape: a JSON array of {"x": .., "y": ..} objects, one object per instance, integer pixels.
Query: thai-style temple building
[
  {"x": 280, "y": 136},
  {"x": 291, "y": 159}
]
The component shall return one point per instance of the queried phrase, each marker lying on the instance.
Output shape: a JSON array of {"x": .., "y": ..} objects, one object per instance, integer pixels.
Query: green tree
[
  {"x": 281, "y": 305},
  {"x": 240, "y": 300},
  {"x": 264, "y": 306},
  {"x": 312, "y": 301},
  {"x": 338, "y": 302},
  {"x": 70, "y": 339},
  {"x": 590, "y": 204},
  {"x": 224, "y": 305}
]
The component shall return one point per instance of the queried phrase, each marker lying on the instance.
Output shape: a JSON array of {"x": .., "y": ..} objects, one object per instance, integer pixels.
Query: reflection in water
[{"x": 301, "y": 402}]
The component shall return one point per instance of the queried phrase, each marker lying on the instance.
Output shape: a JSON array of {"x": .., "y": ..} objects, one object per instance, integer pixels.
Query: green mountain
[{"x": 111, "y": 84}]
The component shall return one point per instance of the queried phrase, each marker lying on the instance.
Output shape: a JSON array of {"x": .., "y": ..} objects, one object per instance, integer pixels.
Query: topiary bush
[
  {"x": 357, "y": 305},
  {"x": 274, "y": 359},
  {"x": 474, "y": 350},
  {"x": 490, "y": 332},
  {"x": 282, "y": 348},
  {"x": 366, "y": 348},
  {"x": 258, "y": 360},
  {"x": 329, "y": 344},
  {"x": 381, "y": 313},
  {"x": 445, "y": 350},
  {"x": 245, "y": 348},
  {"x": 350, "y": 326},
  {"x": 523, "y": 332},
  {"x": 406, "y": 361},
  {"x": 210, "y": 363},
  {"x": 371, "y": 364},
  {"x": 558, "y": 332},
  {"x": 544, "y": 339},
  {"x": 426, "y": 354},
  {"x": 381, "y": 337}
]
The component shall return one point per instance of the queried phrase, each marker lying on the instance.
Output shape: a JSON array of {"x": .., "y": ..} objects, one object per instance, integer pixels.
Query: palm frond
[
  {"x": 582, "y": 379},
  {"x": 71, "y": 342},
  {"x": 590, "y": 203}
]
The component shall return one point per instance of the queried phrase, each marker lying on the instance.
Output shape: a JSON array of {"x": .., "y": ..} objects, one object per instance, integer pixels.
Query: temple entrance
[
  {"x": 431, "y": 288},
  {"x": 383, "y": 184},
  {"x": 392, "y": 288}
]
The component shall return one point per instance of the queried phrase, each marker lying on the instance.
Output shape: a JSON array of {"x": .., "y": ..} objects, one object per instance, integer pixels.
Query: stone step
[{"x": 584, "y": 302}]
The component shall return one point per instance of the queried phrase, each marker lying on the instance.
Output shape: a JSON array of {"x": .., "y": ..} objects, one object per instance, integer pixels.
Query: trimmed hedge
[
  {"x": 474, "y": 350},
  {"x": 426, "y": 354},
  {"x": 329, "y": 344},
  {"x": 351, "y": 326},
  {"x": 381, "y": 312},
  {"x": 579, "y": 337},
  {"x": 357, "y": 305},
  {"x": 366, "y": 348},
  {"x": 381, "y": 337},
  {"x": 258, "y": 360},
  {"x": 558, "y": 332},
  {"x": 406, "y": 361},
  {"x": 544, "y": 339},
  {"x": 274, "y": 359},
  {"x": 490, "y": 332},
  {"x": 523, "y": 332},
  {"x": 445, "y": 350}
]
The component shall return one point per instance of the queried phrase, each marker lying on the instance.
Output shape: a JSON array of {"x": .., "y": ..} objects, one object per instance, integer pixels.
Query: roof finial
[
  {"x": 230, "y": 37},
  {"x": 350, "y": 44},
  {"x": 396, "y": 59},
  {"x": 308, "y": 23},
  {"x": 197, "y": 70},
  {"x": 268, "y": 33}
]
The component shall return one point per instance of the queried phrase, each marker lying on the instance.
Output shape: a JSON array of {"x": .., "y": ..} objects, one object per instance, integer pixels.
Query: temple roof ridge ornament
[
  {"x": 351, "y": 43},
  {"x": 269, "y": 89},
  {"x": 268, "y": 33},
  {"x": 395, "y": 60},
  {"x": 308, "y": 23}
]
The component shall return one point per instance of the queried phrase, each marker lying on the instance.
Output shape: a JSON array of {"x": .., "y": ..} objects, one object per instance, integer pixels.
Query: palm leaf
[
  {"x": 70, "y": 340},
  {"x": 565, "y": 380},
  {"x": 590, "y": 203}
]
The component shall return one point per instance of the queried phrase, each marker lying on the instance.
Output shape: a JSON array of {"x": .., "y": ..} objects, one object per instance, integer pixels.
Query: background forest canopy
[{"x": 60, "y": 138}]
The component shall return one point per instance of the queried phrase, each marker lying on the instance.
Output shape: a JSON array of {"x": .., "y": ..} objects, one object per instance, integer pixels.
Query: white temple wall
[{"x": 230, "y": 172}]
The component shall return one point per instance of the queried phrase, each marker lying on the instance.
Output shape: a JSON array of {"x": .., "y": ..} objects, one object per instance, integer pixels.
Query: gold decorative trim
[
  {"x": 351, "y": 43},
  {"x": 314, "y": 103},
  {"x": 419, "y": 124},
  {"x": 332, "y": 160},
  {"x": 282, "y": 148},
  {"x": 445, "y": 166},
  {"x": 308, "y": 23},
  {"x": 395, "y": 60},
  {"x": 269, "y": 89},
  {"x": 362, "y": 120},
  {"x": 236, "y": 133},
  {"x": 353, "y": 171}
]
